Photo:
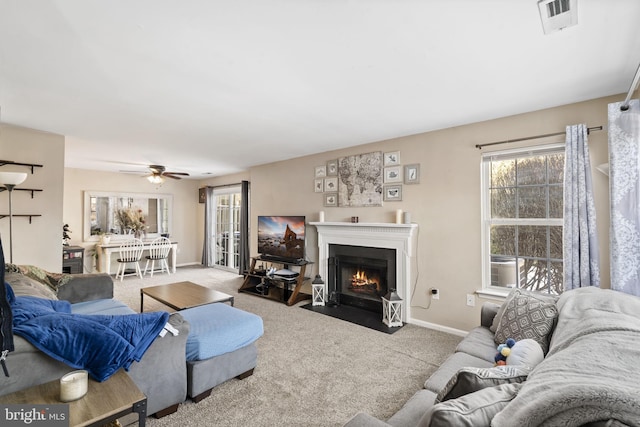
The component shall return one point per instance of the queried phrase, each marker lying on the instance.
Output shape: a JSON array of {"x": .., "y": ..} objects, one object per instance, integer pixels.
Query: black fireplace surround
[{"x": 359, "y": 276}]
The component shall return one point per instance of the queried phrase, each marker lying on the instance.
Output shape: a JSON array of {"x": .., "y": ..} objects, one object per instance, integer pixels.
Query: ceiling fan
[{"x": 157, "y": 174}]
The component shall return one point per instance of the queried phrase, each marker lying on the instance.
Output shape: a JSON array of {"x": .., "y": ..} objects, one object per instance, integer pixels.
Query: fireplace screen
[
  {"x": 360, "y": 276},
  {"x": 364, "y": 278}
]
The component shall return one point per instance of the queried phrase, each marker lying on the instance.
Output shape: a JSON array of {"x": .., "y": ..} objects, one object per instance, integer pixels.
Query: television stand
[{"x": 257, "y": 282}]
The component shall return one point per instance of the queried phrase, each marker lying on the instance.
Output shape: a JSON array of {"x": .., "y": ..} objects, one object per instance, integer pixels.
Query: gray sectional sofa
[
  {"x": 585, "y": 371},
  {"x": 161, "y": 374}
]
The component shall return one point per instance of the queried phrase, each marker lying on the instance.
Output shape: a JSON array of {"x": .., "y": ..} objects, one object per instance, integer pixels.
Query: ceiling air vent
[{"x": 558, "y": 14}]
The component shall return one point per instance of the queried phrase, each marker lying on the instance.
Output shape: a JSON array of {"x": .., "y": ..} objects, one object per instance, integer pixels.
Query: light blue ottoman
[{"x": 220, "y": 346}]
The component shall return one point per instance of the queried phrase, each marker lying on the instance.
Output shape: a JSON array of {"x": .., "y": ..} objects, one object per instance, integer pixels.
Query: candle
[
  {"x": 74, "y": 385},
  {"x": 321, "y": 216},
  {"x": 407, "y": 218},
  {"x": 399, "y": 216}
]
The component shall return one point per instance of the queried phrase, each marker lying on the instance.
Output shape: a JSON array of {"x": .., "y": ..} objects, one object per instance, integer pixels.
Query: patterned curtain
[
  {"x": 624, "y": 182},
  {"x": 580, "y": 241},
  {"x": 209, "y": 242}
]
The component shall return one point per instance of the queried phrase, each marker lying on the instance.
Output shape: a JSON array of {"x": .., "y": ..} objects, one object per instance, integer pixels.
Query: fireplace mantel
[{"x": 401, "y": 237}]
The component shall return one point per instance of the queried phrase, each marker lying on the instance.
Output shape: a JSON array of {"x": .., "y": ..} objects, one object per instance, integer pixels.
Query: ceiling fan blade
[
  {"x": 171, "y": 175},
  {"x": 177, "y": 173}
]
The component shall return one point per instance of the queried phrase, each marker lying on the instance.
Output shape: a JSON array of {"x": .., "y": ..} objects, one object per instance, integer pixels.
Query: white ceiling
[{"x": 217, "y": 86}]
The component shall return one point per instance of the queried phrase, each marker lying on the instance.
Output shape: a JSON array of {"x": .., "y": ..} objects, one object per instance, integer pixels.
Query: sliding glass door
[{"x": 226, "y": 226}]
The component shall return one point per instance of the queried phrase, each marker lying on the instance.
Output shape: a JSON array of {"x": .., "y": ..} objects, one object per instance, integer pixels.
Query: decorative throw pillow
[
  {"x": 469, "y": 380},
  {"x": 527, "y": 315},
  {"x": 471, "y": 410},
  {"x": 52, "y": 280},
  {"x": 498, "y": 316},
  {"x": 26, "y": 286}
]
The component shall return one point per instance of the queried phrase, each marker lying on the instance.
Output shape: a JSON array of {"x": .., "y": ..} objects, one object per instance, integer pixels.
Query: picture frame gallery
[{"x": 331, "y": 182}]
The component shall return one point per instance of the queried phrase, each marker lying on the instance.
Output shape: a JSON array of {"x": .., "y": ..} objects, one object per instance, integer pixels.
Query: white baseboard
[
  {"x": 437, "y": 327},
  {"x": 184, "y": 264}
]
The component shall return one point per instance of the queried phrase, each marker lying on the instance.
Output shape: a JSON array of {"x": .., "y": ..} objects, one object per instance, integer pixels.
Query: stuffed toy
[
  {"x": 526, "y": 352},
  {"x": 504, "y": 351}
]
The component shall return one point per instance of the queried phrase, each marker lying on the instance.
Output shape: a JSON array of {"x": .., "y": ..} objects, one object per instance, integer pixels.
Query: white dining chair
[
  {"x": 130, "y": 253},
  {"x": 159, "y": 251}
]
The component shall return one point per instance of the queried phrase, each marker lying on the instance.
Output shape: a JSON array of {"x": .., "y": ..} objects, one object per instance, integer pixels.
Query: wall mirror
[{"x": 120, "y": 214}]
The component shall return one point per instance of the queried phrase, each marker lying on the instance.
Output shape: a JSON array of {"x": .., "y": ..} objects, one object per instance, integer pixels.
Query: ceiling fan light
[{"x": 155, "y": 179}]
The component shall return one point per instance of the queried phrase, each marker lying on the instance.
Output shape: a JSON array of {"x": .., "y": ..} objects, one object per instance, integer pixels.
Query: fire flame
[{"x": 360, "y": 277}]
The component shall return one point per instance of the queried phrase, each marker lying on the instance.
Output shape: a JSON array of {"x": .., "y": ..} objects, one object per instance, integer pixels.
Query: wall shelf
[
  {"x": 29, "y": 165},
  {"x": 30, "y": 216},
  {"x": 32, "y": 190}
]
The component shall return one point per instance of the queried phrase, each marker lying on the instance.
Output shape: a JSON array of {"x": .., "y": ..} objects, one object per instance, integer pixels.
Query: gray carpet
[{"x": 313, "y": 370}]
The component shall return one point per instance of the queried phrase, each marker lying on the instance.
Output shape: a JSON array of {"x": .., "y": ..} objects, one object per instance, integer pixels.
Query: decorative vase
[{"x": 105, "y": 240}]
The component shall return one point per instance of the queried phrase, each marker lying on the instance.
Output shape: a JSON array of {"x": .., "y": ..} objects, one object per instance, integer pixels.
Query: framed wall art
[
  {"x": 321, "y": 171},
  {"x": 360, "y": 180},
  {"x": 392, "y": 158},
  {"x": 331, "y": 199},
  {"x": 318, "y": 185},
  {"x": 412, "y": 174},
  {"x": 332, "y": 167},
  {"x": 392, "y": 174},
  {"x": 392, "y": 193},
  {"x": 331, "y": 184}
]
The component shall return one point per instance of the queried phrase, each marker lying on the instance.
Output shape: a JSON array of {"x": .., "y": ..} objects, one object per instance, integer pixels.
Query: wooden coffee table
[
  {"x": 104, "y": 402},
  {"x": 182, "y": 295}
]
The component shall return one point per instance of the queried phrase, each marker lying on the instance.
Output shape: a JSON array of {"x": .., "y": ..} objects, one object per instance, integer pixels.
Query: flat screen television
[{"x": 281, "y": 237}]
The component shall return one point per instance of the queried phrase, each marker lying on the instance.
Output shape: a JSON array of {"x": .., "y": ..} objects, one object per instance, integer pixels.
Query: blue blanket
[{"x": 101, "y": 344}]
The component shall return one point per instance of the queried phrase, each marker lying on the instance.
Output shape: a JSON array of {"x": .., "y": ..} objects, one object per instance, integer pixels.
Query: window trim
[{"x": 485, "y": 216}]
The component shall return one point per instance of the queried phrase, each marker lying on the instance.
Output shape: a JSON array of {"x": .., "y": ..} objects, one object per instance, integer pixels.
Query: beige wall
[
  {"x": 446, "y": 203},
  {"x": 38, "y": 243},
  {"x": 185, "y": 201}
]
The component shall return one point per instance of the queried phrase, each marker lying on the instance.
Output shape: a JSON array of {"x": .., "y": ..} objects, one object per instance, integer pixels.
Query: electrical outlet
[
  {"x": 435, "y": 293},
  {"x": 471, "y": 300}
]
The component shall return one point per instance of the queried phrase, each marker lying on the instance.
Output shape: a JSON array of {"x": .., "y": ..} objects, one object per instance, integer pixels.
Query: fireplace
[
  {"x": 359, "y": 276},
  {"x": 401, "y": 239}
]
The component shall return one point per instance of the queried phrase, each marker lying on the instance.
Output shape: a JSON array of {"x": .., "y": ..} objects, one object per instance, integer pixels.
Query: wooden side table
[{"x": 104, "y": 402}]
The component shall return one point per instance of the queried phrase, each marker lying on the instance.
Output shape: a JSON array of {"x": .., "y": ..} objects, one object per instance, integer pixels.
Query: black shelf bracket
[{"x": 32, "y": 166}]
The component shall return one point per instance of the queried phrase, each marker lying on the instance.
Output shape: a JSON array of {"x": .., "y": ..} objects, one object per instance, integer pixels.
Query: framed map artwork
[{"x": 360, "y": 182}]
